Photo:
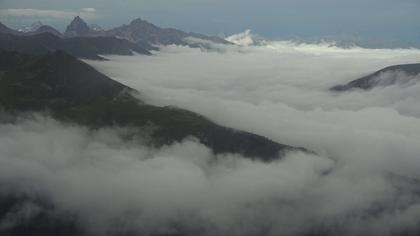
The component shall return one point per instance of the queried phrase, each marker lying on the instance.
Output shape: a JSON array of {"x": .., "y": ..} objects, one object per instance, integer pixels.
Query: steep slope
[
  {"x": 384, "y": 77},
  {"x": 10, "y": 60},
  {"x": 81, "y": 47},
  {"x": 73, "y": 91},
  {"x": 6, "y": 30}
]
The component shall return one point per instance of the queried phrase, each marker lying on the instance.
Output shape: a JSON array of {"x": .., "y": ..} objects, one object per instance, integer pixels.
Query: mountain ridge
[
  {"x": 138, "y": 31},
  {"x": 72, "y": 91},
  {"x": 383, "y": 77},
  {"x": 81, "y": 47}
]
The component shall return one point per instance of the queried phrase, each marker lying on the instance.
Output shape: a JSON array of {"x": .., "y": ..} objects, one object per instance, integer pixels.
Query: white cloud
[
  {"x": 151, "y": 190},
  {"x": 280, "y": 90},
  {"x": 89, "y": 9},
  {"x": 40, "y": 13}
]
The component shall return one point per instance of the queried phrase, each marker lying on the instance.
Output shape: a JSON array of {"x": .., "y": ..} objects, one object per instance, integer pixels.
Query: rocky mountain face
[
  {"x": 78, "y": 28},
  {"x": 81, "y": 47},
  {"x": 397, "y": 74}
]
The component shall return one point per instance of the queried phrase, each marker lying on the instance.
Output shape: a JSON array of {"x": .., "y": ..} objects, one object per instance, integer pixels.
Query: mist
[{"x": 363, "y": 179}]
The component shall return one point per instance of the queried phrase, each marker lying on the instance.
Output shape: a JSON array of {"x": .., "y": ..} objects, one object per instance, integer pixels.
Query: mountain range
[
  {"x": 138, "y": 31},
  {"x": 41, "y": 72},
  {"x": 81, "y": 47}
]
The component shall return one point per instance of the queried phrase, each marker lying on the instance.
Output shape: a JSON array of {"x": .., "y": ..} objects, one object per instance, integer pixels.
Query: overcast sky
[{"x": 375, "y": 19}]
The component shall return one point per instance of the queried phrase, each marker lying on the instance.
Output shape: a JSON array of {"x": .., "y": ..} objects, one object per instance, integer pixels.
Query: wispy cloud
[
  {"x": 89, "y": 9},
  {"x": 88, "y": 13}
]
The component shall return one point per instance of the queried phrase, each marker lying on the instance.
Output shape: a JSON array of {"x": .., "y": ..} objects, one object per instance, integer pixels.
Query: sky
[{"x": 386, "y": 22}]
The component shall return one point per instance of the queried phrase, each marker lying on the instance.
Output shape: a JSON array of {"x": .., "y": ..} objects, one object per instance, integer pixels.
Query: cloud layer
[
  {"x": 363, "y": 182},
  {"x": 87, "y": 13},
  {"x": 116, "y": 186},
  {"x": 280, "y": 90}
]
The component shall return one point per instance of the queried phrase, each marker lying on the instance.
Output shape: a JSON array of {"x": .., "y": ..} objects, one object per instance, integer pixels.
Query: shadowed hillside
[
  {"x": 384, "y": 77},
  {"x": 75, "y": 92}
]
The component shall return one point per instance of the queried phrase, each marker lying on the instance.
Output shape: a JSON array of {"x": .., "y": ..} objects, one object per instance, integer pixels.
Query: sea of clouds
[{"x": 364, "y": 179}]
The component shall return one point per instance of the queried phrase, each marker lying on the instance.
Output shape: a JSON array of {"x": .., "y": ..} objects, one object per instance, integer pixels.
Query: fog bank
[{"x": 363, "y": 181}]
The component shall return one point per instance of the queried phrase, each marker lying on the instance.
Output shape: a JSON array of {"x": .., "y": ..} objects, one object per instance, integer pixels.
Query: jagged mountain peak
[
  {"x": 78, "y": 27},
  {"x": 142, "y": 23},
  {"x": 78, "y": 19}
]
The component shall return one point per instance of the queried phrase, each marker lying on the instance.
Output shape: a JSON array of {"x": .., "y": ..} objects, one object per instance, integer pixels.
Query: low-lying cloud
[
  {"x": 87, "y": 13},
  {"x": 364, "y": 180},
  {"x": 107, "y": 181},
  {"x": 115, "y": 186}
]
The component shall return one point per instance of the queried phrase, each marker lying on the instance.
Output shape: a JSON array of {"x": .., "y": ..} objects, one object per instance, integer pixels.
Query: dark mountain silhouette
[
  {"x": 386, "y": 76},
  {"x": 82, "y": 47},
  {"x": 6, "y": 30},
  {"x": 35, "y": 28},
  {"x": 78, "y": 28},
  {"x": 141, "y": 31},
  {"x": 47, "y": 29},
  {"x": 146, "y": 35}
]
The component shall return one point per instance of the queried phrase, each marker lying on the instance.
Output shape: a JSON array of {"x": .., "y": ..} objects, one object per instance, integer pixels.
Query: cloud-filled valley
[
  {"x": 280, "y": 90},
  {"x": 362, "y": 178}
]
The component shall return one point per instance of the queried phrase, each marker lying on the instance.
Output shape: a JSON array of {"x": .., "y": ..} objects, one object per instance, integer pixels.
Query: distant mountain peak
[
  {"x": 78, "y": 27},
  {"x": 142, "y": 23},
  {"x": 31, "y": 28},
  {"x": 78, "y": 21},
  {"x": 47, "y": 29},
  {"x": 137, "y": 21}
]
